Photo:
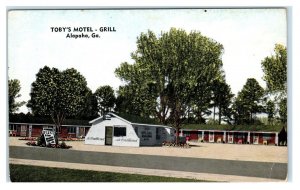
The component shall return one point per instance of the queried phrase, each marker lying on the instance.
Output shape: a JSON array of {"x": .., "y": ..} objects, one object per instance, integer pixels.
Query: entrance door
[
  {"x": 255, "y": 138},
  {"x": 211, "y": 137},
  {"x": 230, "y": 138},
  {"x": 23, "y": 132},
  {"x": 108, "y": 135}
]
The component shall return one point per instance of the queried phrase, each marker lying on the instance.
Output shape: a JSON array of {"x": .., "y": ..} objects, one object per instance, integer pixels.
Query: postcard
[{"x": 148, "y": 95}]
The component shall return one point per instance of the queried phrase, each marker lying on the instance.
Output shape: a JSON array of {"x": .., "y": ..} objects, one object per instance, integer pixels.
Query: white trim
[
  {"x": 231, "y": 131},
  {"x": 95, "y": 119},
  {"x": 130, "y": 123},
  {"x": 30, "y": 130},
  {"x": 248, "y": 137},
  {"x": 164, "y": 126}
]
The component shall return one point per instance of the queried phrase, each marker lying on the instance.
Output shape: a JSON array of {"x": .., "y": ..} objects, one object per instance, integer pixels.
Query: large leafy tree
[
  {"x": 275, "y": 71},
  {"x": 270, "y": 110},
  {"x": 283, "y": 110},
  {"x": 105, "y": 97},
  {"x": 14, "y": 88},
  {"x": 58, "y": 94},
  {"x": 169, "y": 70},
  {"x": 275, "y": 75},
  {"x": 90, "y": 109},
  {"x": 222, "y": 99},
  {"x": 249, "y": 102}
]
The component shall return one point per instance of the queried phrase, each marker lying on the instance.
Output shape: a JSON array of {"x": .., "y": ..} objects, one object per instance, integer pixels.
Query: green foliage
[
  {"x": 222, "y": 99},
  {"x": 63, "y": 145},
  {"x": 283, "y": 110},
  {"x": 211, "y": 121},
  {"x": 89, "y": 110},
  {"x": 249, "y": 102},
  {"x": 138, "y": 119},
  {"x": 268, "y": 121},
  {"x": 168, "y": 72},
  {"x": 41, "y": 141},
  {"x": 58, "y": 94},
  {"x": 105, "y": 99},
  {"x": 270, "y": 110},
  {"x": 275, "y": 71},
  {"x": 14, "y": 88},
  {"x": 275, "y": 75},
  {"x": 24, "y": 173}
]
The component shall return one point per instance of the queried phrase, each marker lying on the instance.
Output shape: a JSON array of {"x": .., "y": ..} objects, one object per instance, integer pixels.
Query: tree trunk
[
  {"x": 177, "y": 135},
  {"x": 220, "y": 115},
  {"x": 60, "y": 117},
  {"x": 215, "y": 114}
]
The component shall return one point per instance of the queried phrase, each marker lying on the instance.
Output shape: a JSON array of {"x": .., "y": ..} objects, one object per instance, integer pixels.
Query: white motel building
[{"x": 113, "y": 130}]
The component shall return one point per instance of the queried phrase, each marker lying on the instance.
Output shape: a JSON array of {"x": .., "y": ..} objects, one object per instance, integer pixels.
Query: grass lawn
[{"x": 25, "y": 173}]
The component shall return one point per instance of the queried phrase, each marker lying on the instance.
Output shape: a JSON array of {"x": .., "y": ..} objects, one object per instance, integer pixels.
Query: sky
[{"x": 247, "y": 35}]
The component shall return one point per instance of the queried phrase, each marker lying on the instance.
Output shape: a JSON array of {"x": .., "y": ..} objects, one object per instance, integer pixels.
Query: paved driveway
[{"x": 272, "y": 170}]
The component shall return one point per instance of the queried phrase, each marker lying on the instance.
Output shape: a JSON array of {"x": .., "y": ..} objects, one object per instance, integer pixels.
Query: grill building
[{"x": 114, "y": 130}]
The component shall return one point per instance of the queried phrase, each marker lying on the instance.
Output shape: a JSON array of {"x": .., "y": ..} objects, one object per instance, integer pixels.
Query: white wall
[
  {"x": 147, "y": 134},
  {"x": 149, "y": 137},
  {"x": 96, "y": 134}
]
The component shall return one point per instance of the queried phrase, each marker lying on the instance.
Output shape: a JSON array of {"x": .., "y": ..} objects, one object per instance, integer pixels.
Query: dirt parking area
[{"x": 259, "y": 153}]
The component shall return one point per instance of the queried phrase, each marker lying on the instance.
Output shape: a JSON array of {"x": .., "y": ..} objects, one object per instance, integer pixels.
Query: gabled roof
[
  {"x": 111, "y": 114},
  {"x": 131, "y": 123},
  {"x": 94, "y": 120}
]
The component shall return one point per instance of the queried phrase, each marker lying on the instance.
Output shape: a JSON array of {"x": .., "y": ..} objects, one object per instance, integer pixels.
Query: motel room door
[
  {"x": 23, "y": 132},
  {"x": 230, "y": 137},
  {"x": 108, "y": 135},
  {"x": 255, "y": 138}
]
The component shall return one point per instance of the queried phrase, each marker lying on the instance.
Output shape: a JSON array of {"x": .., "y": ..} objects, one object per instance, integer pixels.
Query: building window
[
  {"x": 267, "y": 136},
  {"x": 71, "y": 130},
  {"x": 119, "y": 131},
  {"x": 200, "y": 135},
  {"x": 12, "y": 127},
  {"x": 157, "y": 133},
  {"x": 186, "y": 133}
]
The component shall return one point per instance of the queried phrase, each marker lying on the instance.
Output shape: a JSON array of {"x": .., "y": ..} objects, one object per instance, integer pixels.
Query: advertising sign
[{"x": 49, "y": 136}]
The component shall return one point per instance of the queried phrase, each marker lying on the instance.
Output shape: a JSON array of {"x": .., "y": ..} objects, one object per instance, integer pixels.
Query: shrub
[
  {"x": 41, "y": 141},
  {"x": 64, "y": 145},
  {"x": 31, "y": 143}
]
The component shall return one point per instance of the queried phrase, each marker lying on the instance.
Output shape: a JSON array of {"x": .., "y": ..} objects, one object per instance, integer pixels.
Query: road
[{"x": 201, "y": 165}]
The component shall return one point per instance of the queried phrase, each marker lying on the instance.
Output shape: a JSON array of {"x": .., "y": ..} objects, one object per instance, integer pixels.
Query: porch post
[
  {"x": 77, "y": 132},
  {"x": 276, "y": 139},
  {"x": 248, "y": 138},
  {"x": 224, "y": 137},
  {"x": 30, "y": 130}
]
